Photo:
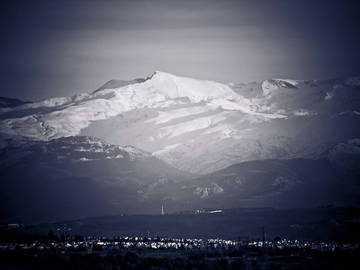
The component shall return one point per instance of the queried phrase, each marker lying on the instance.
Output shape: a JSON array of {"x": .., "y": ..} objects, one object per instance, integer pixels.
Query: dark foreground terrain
[{"x": 238, "y": 256}]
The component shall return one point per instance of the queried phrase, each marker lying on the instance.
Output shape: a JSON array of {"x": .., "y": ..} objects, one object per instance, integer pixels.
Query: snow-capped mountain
[
  {"x": 68, "y": 116},
  {"x": 200, "y": 126},
  {"x": 129, "y": 146}
]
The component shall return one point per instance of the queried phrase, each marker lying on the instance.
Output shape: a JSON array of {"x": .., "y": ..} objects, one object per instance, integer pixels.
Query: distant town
[
  {"x": 103, "y": 245},
  {"x": 61, "y": 250}
]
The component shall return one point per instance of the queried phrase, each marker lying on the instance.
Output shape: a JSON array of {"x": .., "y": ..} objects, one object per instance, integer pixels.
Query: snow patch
[
  {"x": 85, "y": 159},
  {"x": 329, "y": 95},
  {"x": 303, "y": 112}
]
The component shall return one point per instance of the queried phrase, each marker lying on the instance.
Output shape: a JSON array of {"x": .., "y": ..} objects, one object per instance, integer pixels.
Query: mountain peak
[
  {"x": 160, "y": 73},
  {"x": 163, "y": 84},
  {"x": 160, "y": 76},
  {"x": 196, "y": 90}
]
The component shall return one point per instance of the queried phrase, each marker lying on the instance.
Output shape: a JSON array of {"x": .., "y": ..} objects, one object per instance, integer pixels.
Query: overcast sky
[{"x": 59, "y": 47}]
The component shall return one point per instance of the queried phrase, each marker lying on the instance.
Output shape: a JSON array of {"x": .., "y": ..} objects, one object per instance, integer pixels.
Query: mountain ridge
[{"x": 176, "y": 118}]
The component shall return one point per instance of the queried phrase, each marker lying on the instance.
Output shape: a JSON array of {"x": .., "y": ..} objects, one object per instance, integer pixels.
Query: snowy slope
[
  {"x": 68, "y": 116},
  {"x": 200, "y": 126}
]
